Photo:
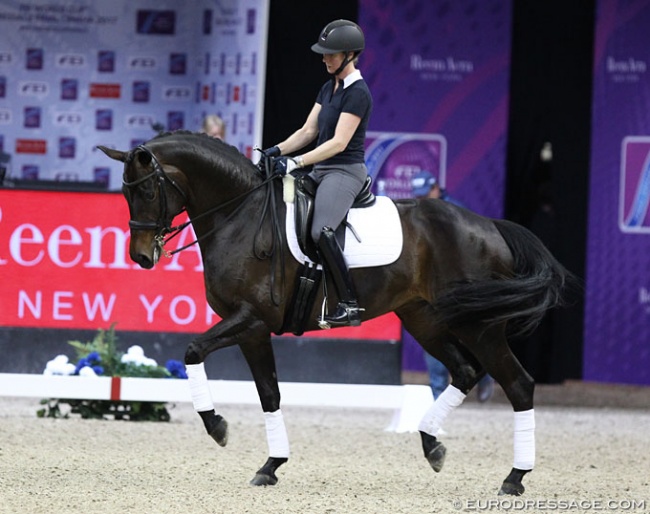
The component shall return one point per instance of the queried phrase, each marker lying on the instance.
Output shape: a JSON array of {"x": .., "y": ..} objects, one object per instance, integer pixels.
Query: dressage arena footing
[{"x": 409, "y": 401}]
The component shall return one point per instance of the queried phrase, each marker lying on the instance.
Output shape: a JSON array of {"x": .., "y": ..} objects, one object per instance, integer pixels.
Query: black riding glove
[
  {"x": 284, "y": 165},
  {"x": 274, "y": 151}
]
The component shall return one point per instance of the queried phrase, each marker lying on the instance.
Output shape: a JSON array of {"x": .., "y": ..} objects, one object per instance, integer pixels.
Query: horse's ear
[{"x": 113, "y": 154}]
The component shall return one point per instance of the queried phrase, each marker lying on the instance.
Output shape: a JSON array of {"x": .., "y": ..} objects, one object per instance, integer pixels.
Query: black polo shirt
[{"x": 354, "y": 99}]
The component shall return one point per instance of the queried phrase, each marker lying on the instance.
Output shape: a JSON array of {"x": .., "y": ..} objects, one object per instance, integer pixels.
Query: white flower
[
  {"x": 135, "y": 355},
  {"x": 87, "y": 371},
  {"x": 59, "y": 366}
]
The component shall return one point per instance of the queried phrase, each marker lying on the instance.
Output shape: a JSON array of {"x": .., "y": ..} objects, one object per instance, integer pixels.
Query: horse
[{"x": 462, "y": 286}]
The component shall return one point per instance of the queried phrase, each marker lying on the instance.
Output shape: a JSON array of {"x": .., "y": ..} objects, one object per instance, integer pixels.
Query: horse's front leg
[
  {"x": 260, "y": 359},
  {"x": 254, "y": 338},
  {"x": 227, "y": 332}
]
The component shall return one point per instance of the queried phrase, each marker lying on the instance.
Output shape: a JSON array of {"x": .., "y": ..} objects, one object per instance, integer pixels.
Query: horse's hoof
[
  {"x": 436, "y": 457},
  {"x": 219, "y": 431},
  {"x": 262, "y": 479},
  {"x": 511, "y": 489},
  {"x": 266, "y": 474},
  {"x": 512, "y": 484},
  {"x": 434, "y": 451}
]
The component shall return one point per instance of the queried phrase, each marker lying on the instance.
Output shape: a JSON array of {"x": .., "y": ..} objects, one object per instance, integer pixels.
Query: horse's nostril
[{"x": 144, "y": 261}]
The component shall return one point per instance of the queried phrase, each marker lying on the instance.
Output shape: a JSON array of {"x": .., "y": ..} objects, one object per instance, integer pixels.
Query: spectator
[{"x": 214, "y": 126}]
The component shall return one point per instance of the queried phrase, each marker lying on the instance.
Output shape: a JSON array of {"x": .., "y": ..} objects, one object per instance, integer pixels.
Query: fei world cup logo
[{"x": 635, "y": 185}]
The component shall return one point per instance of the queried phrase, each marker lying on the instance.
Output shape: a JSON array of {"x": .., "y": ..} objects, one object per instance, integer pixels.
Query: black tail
[{"x": 522, "y": 299}]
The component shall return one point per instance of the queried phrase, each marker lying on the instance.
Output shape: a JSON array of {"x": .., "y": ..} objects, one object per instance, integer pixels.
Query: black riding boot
[{"x": 347, "y": 311}]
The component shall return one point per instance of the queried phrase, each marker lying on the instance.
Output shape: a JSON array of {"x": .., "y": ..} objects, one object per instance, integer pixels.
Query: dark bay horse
[{"x": 462, "y": 285}]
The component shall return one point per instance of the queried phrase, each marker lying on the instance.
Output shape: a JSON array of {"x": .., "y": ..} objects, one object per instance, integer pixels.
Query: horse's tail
[{"x": 536, "y": 285}]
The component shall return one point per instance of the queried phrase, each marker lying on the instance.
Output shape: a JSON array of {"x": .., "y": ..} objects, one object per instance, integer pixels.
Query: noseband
[{"x": 162, "y": 225}]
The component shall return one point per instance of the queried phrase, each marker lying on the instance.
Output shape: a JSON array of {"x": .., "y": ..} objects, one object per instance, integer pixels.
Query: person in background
[
  {"x": 337, "y": 121},
  {"x": 425, "y": 185},
  {"x": 214, "y": 126}
]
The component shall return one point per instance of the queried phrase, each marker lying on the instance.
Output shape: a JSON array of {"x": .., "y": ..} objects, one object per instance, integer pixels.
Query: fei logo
[
  {"x": 35, "y": 88},
  {"x": 635, "y": 185},
  {"x": 394, "y": 158}
]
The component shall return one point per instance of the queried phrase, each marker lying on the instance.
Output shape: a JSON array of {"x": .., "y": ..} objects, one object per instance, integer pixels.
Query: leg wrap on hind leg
[
  {"x": 276, "y": 434},
  {"x": 199, "y": 387},
  {"x": 448, "y": 400},
  {"x": 524, "y": 440}
]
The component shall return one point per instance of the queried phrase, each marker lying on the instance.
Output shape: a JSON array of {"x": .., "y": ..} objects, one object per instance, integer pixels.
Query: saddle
[
  {"x": 305, "y": 191},
  {"x": 309, "y": 276}
]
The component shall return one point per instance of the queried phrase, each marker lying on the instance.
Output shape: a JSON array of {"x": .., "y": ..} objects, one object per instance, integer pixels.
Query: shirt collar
[{"x": 352, "y": 78}]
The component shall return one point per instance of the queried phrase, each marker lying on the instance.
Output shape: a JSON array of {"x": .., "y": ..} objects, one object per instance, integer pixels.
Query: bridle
[{"x": 162, "y": 226}]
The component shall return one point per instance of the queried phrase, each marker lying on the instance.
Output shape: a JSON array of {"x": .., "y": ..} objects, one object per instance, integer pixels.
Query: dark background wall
[{"x": 551, "y": 77}]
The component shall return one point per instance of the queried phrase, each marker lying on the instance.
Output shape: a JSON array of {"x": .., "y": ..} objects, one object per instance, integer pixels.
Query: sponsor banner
[
  {"x": 118, "y": 65},
  {"x": 439, "y": 76},
  {"x": 69, "y": 268},
  {"x": 617, "y": 299}
]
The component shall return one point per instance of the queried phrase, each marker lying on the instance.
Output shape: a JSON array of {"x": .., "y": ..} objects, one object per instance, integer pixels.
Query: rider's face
[{"x": 333, "y": 61}]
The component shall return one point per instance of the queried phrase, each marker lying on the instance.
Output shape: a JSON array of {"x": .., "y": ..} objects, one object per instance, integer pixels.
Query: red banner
[{"x": 64, "y": 263}]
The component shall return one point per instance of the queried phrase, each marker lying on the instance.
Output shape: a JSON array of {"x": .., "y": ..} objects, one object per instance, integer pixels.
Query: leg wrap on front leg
[
  {"x": 199, "y": 387},
  {"x": 215, "y": 425},
  {"x": 276, "y": 434},
  {"x": 524, "y": 440},
  {"x": 448, "y": 400}
]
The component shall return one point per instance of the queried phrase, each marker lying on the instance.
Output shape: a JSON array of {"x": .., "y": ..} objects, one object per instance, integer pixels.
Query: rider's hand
[
  {"x": 274, "y": 151},
  {"x": 284, "y": 165}
]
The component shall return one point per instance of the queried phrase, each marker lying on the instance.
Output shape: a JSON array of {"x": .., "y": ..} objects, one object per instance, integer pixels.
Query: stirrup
[{"x": 346, "y": 315}]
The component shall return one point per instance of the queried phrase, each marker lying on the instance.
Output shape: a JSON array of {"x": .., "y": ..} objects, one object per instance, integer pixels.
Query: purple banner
[
  {"x": 439, "y": 74},
  {"x": 617, "y": 310}
]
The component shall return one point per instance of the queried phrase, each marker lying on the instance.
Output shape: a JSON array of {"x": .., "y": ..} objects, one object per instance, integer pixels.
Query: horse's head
[{"x": 155, "y": 196}]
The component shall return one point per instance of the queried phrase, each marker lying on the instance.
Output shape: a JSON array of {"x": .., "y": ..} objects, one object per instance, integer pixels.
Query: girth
[{"x": 305, "y": 191}]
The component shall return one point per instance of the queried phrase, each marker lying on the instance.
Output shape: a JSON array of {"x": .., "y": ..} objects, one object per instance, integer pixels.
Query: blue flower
[
  {"x": 94, "y": 357},
  {"x": 99, "y": 370},
  {"x": 83, "y": 362},
  {"x": 176, "y": 368}
]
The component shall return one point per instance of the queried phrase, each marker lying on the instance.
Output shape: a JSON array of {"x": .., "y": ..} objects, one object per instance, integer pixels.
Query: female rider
[{"x": 339, "y": 118}]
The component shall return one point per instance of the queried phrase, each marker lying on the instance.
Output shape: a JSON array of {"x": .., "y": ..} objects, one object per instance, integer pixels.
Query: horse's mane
[{"x": 218, "y": 154}]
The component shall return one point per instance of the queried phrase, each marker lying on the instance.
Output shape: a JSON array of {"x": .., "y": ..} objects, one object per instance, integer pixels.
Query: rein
[{"x": 163, "y": 227}]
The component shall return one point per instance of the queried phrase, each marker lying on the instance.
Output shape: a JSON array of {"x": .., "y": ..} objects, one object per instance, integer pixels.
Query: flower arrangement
[{"x": 100, "y": 357}]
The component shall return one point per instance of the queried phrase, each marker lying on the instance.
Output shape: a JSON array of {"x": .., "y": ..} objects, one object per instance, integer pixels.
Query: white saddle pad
[{"x": 378, "y": 226}]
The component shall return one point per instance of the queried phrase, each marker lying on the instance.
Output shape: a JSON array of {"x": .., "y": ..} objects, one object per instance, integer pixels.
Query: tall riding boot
[{"x": 347, "y": 311}]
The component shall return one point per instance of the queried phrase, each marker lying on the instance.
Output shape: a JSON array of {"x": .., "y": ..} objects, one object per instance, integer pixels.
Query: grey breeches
[{"x": 337, "y": 189}]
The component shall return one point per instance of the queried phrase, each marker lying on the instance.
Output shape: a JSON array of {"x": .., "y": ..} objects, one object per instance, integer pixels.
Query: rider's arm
[{"x": 345, "y": 129}]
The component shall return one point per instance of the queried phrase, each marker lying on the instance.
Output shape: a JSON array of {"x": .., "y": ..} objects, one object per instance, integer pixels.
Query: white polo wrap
[{"x": 448, "y": 400}]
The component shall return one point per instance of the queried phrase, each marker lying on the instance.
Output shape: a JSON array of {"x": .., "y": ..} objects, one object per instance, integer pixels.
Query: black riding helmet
[{"x": 340, "y": 36}]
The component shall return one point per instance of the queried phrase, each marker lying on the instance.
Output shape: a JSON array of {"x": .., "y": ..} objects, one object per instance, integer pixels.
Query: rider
[{"x": 339, "y": 119}]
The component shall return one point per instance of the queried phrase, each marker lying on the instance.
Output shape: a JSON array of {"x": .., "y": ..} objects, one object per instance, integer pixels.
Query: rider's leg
[{"x": 347, "y": 310}]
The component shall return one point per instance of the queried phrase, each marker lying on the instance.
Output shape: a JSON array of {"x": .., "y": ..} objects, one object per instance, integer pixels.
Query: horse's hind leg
[
  {"x": 492, "y": 349},
  {"x": 443, "y": 345},
  {"x": 465, "y": 372}
]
